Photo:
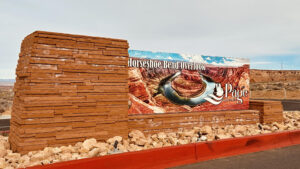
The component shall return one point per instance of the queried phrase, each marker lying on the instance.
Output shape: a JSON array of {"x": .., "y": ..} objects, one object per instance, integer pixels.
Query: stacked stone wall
[{"x": 69, "y": 88}]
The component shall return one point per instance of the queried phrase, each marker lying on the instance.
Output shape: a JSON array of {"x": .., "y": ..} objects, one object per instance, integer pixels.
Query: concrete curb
[{"x": 183, "y": 154}]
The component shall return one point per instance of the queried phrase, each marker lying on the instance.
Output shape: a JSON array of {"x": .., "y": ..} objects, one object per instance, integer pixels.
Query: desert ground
[{"x": 6, "y": 98}]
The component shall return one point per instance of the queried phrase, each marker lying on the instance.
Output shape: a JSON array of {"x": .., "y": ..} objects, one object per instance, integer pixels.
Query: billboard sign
[{"x": 162, "y": 82}]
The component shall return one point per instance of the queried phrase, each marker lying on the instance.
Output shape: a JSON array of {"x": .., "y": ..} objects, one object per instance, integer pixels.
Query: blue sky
[
  {"x": 265, "y": 31},
  {"x": 156, "y": 55},
  {"x": 277, "y": 62},
  {"x": 215, "y": 60}
]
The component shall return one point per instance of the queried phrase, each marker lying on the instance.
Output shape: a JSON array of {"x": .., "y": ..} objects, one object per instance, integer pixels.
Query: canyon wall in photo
[{"x": 161, "y": 82}]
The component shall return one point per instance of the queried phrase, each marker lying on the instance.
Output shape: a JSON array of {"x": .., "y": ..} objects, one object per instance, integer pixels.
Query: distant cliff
[
  {"x": 274, "y": 75},
  {"x": 275, "y": 84}
]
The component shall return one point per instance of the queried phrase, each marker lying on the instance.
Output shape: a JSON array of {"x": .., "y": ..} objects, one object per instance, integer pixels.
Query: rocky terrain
[
  {"x": 137, "y": 141},
  {"x": 6, "y": 97},
  {"x": 275, "y": 84}
]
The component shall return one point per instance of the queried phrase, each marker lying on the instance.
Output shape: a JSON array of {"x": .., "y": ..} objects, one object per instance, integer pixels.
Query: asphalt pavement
[
  {"x": 4, "y": 124},
  {"x": 282, "y": 158},
  {"x": 290, "y": 105}
]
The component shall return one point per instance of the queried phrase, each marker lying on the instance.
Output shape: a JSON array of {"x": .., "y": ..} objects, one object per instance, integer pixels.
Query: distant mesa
[{"x": 7, "y": 82}]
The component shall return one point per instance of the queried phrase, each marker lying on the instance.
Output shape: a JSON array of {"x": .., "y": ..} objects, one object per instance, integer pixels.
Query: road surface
[
  {"x": 4, "y": 124},
  {"x": 290, "y": 105},
  {"x": 283, "y": 158}
]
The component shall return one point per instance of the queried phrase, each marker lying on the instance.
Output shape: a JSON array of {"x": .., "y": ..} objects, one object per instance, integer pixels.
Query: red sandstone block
[
  {"x": 67, "y": 94},
  {"x": 108, "y": 76},
  {"x": 112, "y": 44},
  {"x": 111, "y": 103},
  {"x": 116, "y": 84},
  {"x": 104, "y": 80},
  {"x": 107, "y": 71},
  {"x": 25, "y": 149},
  {"x": 61, "y": 142},
  {"x": 55, "y": 36},
  {"x": 43, "y": 67},
  {"x": 115, "y": 49},
  {"x": 35, "y": 69},
  {"x": 114, "y": 97},
  {"x": 107, "y": 89},
  {"x": 22, "y": 74},
  {"x": 85, "y": 45},
  {"x": 120, "y": 43},
  {"x": 34, "y": 55},
  {"x": 79, "y": 133},
  {"x": 51, "y": 41},
  {"x": 46, "y": 61},
  {"x": 43, "y": 46},
  {"x": 77, "y": 77},
  {"x": 66, "y": 45},
  {"x": 80, "y": 114},
  {"x": 83, "y": 124},
  {"x": 34, "y": 121},
  {"x": 52, "y": 52},
  {"x": 85, "y": 56},
  {"x": 115, "y": 53},
  {"x": 40, "y": 92},
  {"x": 108, "y": 62},
  {"x": 41, "y": 75},
  {"x": 51, "y": 107},
  {"x": 91, "y": 52},
  {"x": 37, "y": 114},
  {"x": 47, "y": 130},
  {"x": 48, "y": 86},
  {"x": 62, "y": 111},
  {"x": 48, "y": 104},
  {"x": 45, "y": 135},
  {"x": 52, "y": 98},
  {"x": 88, "y": 104},
  {"x": 98, "y": 58},
  {"x": 47, "y": 125},
  {"x": 62, "y": 119},
  {"x": 88, "y": 67}
]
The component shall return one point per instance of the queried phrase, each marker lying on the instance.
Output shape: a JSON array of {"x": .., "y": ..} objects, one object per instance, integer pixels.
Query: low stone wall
[
  {"x": 138, "y": 141},
  {"x": 172, "y": 122},
  {"x": 270, "y": 111}
]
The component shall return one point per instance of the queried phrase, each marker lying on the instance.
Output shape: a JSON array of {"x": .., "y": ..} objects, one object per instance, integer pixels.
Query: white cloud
[
  {"x": 193, "y": 58},
  {"x": 170, "y": 58}
]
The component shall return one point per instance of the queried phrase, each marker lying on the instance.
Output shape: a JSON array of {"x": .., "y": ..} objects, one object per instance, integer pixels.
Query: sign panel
[{"x": 172, "y": 83}]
